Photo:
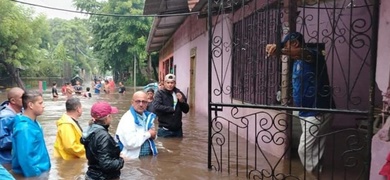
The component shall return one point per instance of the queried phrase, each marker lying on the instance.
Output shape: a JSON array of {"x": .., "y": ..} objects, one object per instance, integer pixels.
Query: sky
[{"x": 62, "y": 4}]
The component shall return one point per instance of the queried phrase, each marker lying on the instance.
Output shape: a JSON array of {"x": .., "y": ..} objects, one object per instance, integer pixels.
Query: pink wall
[
  {"x": 193, "y": 34},
  {"x": 381, "y": 147},
  {"x": 383, "y": 61},
  {"x": 347, "y": 53}
]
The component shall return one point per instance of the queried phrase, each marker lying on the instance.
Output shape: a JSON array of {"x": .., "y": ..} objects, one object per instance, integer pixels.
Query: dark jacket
[
  {"x": 102, "y": 153},
  {"x": 169, "y": 117},
  {"x": 150, "y": 107}
]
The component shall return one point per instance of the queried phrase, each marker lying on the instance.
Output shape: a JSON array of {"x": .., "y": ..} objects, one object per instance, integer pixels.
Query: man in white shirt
[{"x": 136, "y": 132}]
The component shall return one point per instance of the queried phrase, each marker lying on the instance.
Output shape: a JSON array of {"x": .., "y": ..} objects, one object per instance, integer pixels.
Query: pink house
[{"x": 242, "y": 80}]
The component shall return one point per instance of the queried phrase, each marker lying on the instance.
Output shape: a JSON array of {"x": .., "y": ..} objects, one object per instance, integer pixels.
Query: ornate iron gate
[{"x": 253, "y": 127}]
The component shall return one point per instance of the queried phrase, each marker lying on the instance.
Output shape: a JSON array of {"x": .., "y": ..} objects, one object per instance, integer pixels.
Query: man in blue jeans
[{"x": 169, "y": 103}]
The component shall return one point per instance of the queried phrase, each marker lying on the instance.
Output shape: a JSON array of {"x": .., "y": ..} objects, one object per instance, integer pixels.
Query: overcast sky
[{"x": 62, "y": 4}]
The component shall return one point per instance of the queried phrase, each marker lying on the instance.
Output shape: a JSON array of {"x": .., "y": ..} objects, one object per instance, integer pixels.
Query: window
[
  {"x": 255, "y": 78},
  {"x": 167, "y": 67}
]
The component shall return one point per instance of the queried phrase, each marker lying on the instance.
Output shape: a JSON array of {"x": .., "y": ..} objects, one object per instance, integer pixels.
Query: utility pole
[{"x": 135, "y": 73}]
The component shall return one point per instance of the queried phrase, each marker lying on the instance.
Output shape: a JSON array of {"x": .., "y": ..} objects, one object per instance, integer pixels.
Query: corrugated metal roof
[
  {"x": 165, "y": 7},
  {"x": 164, "y": 27},
  {"x": 201, "y": 4}
]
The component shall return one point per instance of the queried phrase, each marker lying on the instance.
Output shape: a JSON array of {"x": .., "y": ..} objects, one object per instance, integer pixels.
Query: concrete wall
[
  {"x": 193, "y": 34},
  {"x": 383, "y": 61},
  {"x": 346, "y": 33},
  {"x": 380, "y": 142},
  {"x": 348, "y": 67}
]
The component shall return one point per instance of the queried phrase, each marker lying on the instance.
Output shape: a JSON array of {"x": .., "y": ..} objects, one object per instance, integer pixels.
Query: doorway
[{"x": 191, "y": 96}]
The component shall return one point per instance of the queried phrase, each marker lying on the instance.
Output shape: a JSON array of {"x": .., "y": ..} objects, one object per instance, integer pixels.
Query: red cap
[{"x": 102, "y": 109}]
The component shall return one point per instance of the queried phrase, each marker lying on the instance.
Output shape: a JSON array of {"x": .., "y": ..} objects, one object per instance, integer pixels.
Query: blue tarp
[{"x": 154, "y": 86}]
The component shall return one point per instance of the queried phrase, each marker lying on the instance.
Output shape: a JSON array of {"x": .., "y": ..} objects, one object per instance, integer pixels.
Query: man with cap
[
  {"x": 311, "y": 89},
  {"x": 150, "y": 97},
  {"x": 169, "y": 103},
  {"x": 103, "y": 153},
  {"x": 136, "y": 132}
]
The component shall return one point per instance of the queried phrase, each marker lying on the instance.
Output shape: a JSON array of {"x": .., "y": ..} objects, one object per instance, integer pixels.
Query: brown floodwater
[{"x": 178, "y": 158}]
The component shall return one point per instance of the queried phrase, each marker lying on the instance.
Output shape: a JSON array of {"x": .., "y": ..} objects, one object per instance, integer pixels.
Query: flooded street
[{"x": 178, "y": 158}]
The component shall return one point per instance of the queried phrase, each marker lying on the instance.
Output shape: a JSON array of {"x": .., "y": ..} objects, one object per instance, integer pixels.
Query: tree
[
  {"x": 118, "y": 39},
  {"x": 22, "y": 39},
  {"x": 72, "y": 40}
]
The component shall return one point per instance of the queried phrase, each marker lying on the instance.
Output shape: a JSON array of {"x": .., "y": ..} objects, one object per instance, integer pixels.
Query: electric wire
[
  {"x": 84, "y": 53},
  {"x": 104, "y": 14}
]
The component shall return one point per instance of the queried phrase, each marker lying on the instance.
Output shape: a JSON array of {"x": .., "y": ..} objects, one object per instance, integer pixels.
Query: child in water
[{"x": 87, "y": 93}]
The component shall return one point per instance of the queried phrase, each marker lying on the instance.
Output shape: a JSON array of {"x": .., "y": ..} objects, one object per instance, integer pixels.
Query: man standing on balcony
[
  {"x": 169, "y": 103},
  {"x": 311, "y": 89}
]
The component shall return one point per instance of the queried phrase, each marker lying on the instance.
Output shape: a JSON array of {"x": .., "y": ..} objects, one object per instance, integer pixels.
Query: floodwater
[{"x": 178, "y": 158}]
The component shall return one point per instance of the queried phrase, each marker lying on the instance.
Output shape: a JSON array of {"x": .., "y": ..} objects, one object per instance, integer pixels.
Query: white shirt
[{"x": 131, "y": 135}]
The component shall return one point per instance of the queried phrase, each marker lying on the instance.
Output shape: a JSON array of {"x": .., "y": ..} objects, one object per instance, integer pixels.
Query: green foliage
[
  {"x": 141, "y": 81},
  {"x": 57, "y": 47},
  {"x": 70, "y": 47},
  {"x": 118, "y": 39},
  {"x": 41, "y": 47},
  {"x": 22, "y": 39}
]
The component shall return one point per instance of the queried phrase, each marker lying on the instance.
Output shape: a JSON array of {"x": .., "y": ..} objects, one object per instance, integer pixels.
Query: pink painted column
[
  {"x": 380, "y": 141},
  {"x": 40, "y": 86}
]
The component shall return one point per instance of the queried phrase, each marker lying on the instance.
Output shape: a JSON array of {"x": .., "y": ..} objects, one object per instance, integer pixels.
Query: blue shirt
[
  {"x": 97, "y": 88},
  {"x": 310, "y": 84},
  {"x": 29, "y": 156},
  {"x": 7, "y": 115},
  {"x": 4, "y": 174},
  {"x": 145, "y": 147}
]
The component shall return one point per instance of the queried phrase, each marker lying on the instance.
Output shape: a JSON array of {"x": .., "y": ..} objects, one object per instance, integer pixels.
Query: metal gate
[{"x": 254, "y": 128}]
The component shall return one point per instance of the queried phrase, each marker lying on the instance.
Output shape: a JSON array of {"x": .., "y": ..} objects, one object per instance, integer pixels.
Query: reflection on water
[{"x": 178, "y": 158}]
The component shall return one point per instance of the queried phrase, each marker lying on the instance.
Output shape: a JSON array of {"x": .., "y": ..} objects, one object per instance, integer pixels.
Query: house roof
[
  {"x": 163, "y": 26},
  {"x": 162, "y": 29},
  {"x": 167, "y": 21},
  {"x": 199, "y": 5},
  {"x": 165, "y": 7}
]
